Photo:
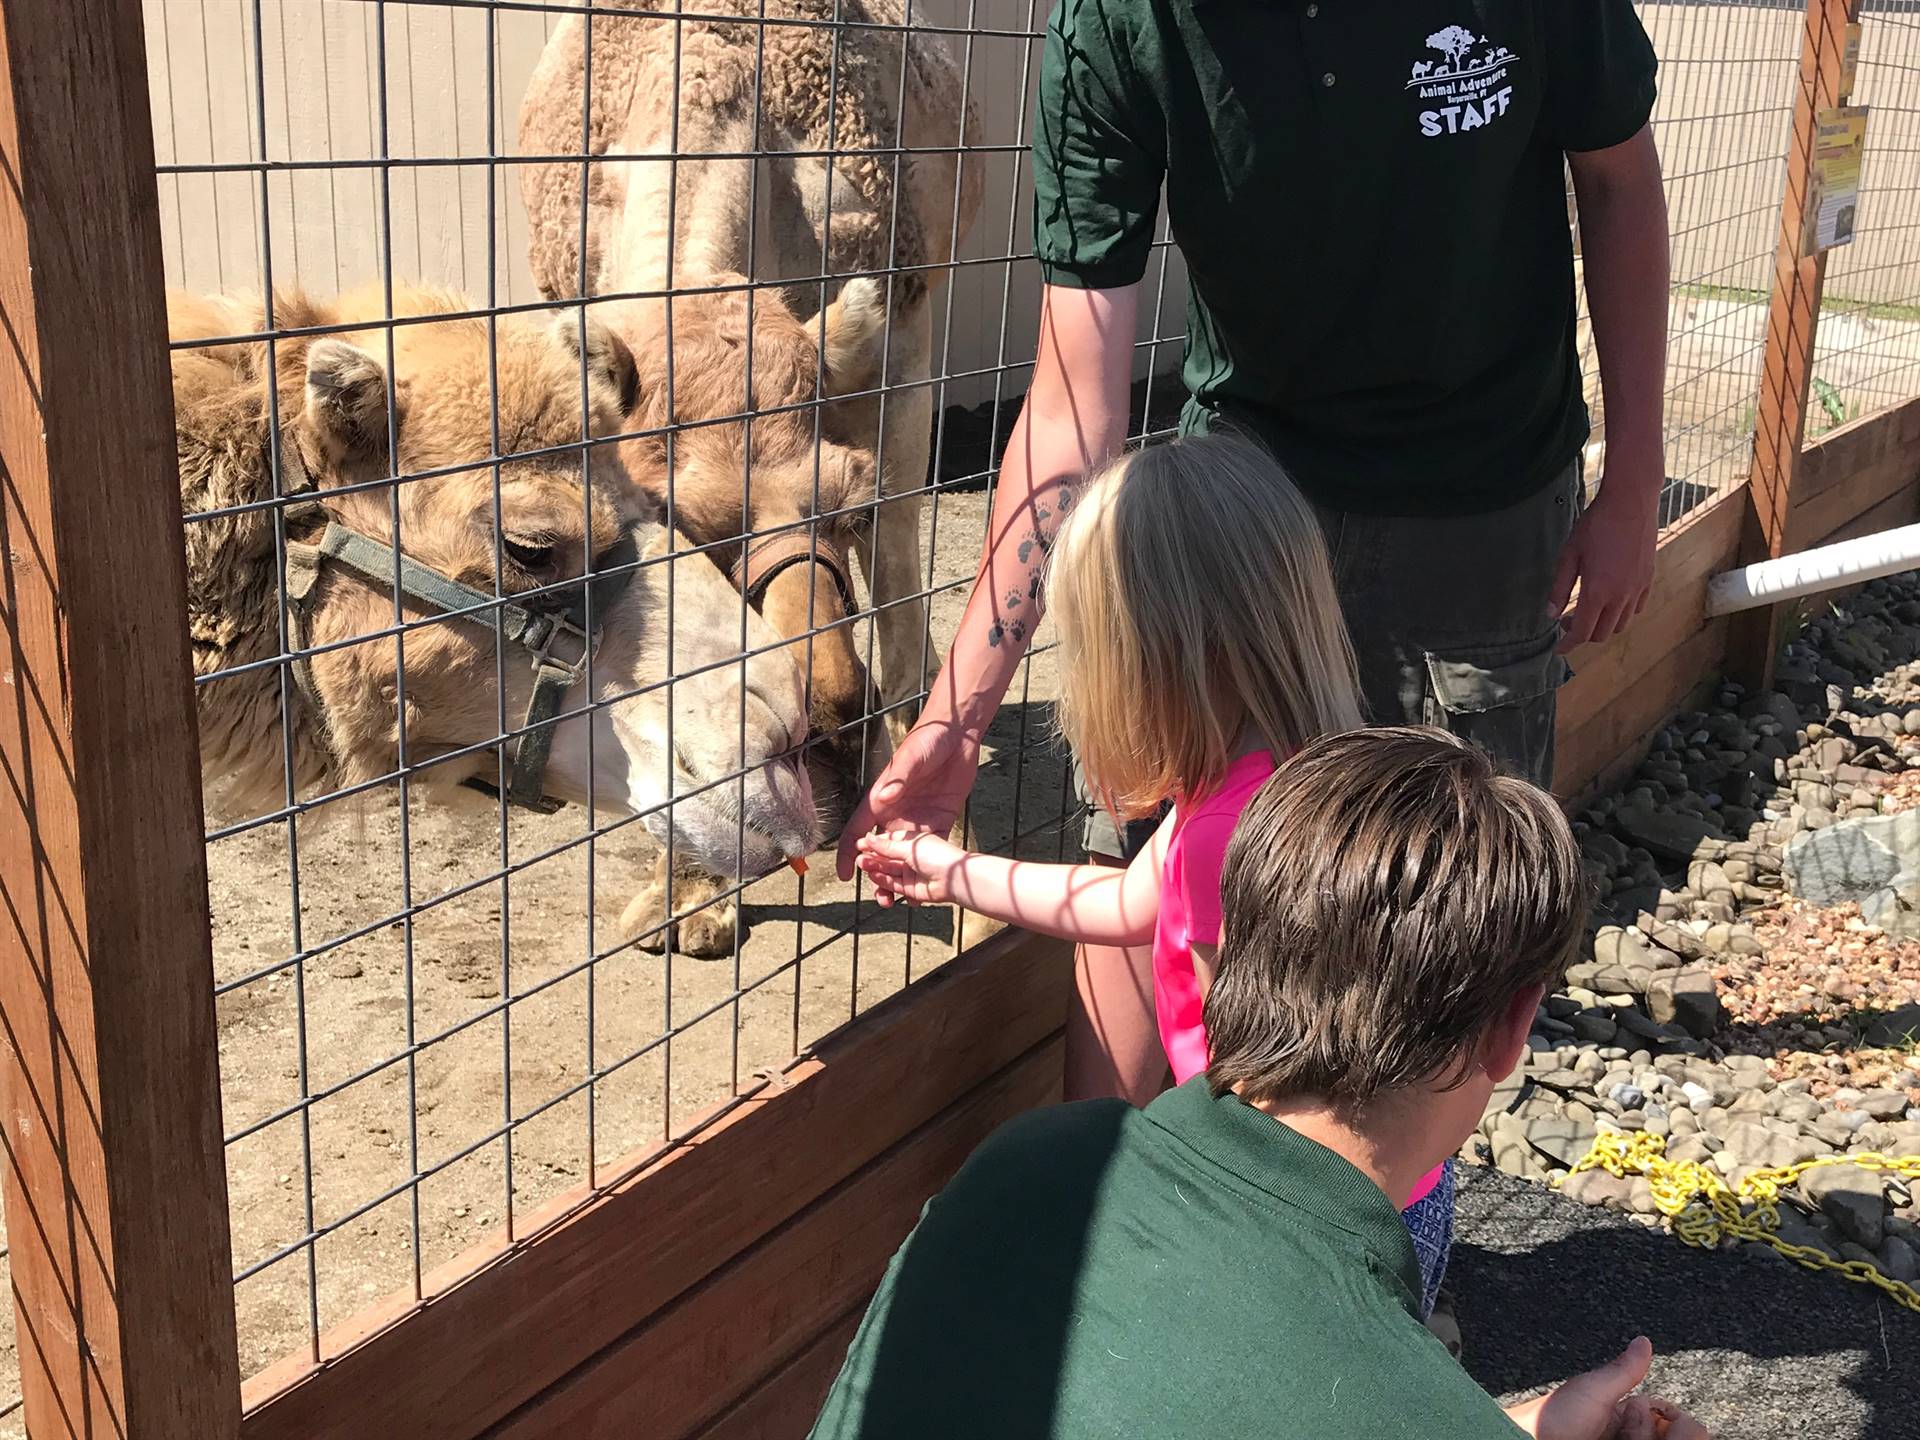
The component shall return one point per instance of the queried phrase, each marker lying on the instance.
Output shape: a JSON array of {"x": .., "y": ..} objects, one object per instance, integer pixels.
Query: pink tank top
[{"x": 1190, "y": 915}]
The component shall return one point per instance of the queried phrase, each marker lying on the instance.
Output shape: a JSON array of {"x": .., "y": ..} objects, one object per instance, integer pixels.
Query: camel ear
[
  {"x": 609, "y": 360},
  {"x": 856, "y": 336},
  {"x": 346, "y": 399}
]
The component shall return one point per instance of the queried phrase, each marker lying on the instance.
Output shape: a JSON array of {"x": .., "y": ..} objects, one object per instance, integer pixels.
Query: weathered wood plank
[
  {"x": 593, "y": 1269},
  {"x": 115, "y": 1181},
  {"x": 718, "y": 1342},
  {"x": 1792, "y": 317}
]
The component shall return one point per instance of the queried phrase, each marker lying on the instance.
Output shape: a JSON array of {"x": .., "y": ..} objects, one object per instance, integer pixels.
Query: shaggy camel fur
[
  {"x": 787, "y": 93},
  {"x": 332, "y": 399}
]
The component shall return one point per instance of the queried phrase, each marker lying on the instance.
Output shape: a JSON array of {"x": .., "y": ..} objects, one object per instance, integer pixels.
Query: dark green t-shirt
[
  {"x": 1193, "y": 1269},
  {"x": 1371, "y": 201}
]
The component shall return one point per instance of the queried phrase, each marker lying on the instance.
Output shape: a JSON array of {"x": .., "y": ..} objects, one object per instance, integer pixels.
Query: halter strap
[
  {"x": 557, "y": 637},
  {"x": 763, "y": 561}
]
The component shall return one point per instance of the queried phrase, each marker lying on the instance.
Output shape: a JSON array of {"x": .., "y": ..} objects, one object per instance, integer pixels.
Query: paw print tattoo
[{"x": 996, "y": 633}]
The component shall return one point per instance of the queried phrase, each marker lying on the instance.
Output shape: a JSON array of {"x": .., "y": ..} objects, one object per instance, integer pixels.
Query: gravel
[{"x": 1546, "y": 1287}]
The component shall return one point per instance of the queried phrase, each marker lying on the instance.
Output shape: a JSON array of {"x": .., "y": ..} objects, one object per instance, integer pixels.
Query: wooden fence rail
[{"x": 116, "y": 1194}]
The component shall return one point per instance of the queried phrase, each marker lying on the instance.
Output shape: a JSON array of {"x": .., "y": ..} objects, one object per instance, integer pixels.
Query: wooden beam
[
  {"x": 786, "y": 1404},
  {"x": 713, "y": 1346},
  {"x": 115, "y": 1180},
  {"x": 1792, "y": 318},
  {"x": 1703, "y": 544},
  {"x": 502, "y": 1323},
  {"x": 1857, "y": 469}
]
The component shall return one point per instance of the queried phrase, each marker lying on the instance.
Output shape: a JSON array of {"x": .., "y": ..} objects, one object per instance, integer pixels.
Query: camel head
[
  {"x": 784, "y": 498},
  {"x": 574, "y": 538}
]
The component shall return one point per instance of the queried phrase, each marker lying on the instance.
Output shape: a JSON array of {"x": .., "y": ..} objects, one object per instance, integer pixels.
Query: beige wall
[
  {"x": 323, "y": 102},
  {"x": 1722, "y": 126}
]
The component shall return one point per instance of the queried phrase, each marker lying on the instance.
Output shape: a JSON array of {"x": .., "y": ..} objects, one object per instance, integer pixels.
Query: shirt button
[{"x": 1327, "y": 79}]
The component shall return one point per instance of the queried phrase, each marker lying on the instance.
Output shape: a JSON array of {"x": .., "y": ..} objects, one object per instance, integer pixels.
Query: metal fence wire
[{"x": 720, "y": 383}]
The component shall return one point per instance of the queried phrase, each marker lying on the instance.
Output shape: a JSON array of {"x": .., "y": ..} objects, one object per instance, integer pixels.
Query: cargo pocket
[{"x": 1502, "y": 699}]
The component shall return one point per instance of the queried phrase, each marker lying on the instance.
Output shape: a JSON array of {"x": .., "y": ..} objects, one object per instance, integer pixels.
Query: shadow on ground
[{"x": 1755, "y": 1346}]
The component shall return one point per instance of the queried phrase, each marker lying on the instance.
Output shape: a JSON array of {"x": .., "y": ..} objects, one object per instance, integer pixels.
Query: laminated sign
[{"x": 1833, "y": 190}]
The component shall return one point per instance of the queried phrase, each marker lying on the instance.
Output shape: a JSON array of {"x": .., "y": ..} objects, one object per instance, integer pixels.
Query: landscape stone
[
  {"x": 1563, "y": 1138},
  {"x": 1855, "y": 861},
  {"x": 1670, "y": 835},
  {"x": 1853, "y": 1198},
  {"x": 1597, "y": 1187},
  {"x": 1750, "y": 1142},
  {"x": 1594, "y": 1027},
  {"x": 1898, "y": 1261},
  {"x": 1883, "y": 1104},
  {"x": 1686, "y": 998},
  {"x": 1896, "y": 1027},
  {"x": 1798, "y": 1232}
]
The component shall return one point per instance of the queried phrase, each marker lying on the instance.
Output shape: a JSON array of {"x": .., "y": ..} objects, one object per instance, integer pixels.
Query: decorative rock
[
  {"x": 1594, "y": 1027},
  {"x": 1630, "y": 950},
  {"x": 1855, "y": 861},
  {"x": 1686, "y": 998},
  {"x": 1669, "y": 835},
  {"x": 1699, "y": 1098},
  {"x": 1561, "y": 1138},
  {"x": 1752, "y": 1143},
  {"x": 1898, "y": 1261},
  {"x": 1853, "y": 1198},
  {"x": 1799, "y": 1109},
  {"x": 1896, "y": 1027},
  {"x": 1692, "y": 1149},
  {"x": 1798, "y": 1232},
  {"x": 1597, "y": 1187},
  {"x": 1883, "y": 1104}
]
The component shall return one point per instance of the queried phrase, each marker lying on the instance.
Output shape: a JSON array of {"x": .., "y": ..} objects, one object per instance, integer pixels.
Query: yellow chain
[{"x": 1705, "y": 1210}]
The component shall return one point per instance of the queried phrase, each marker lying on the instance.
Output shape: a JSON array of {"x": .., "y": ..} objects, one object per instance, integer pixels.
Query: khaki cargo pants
[{"x": 1450, "y": 624}]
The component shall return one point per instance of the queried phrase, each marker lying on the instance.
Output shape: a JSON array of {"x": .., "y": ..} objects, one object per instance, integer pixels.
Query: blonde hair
[{"x": 1193, "y": 598}]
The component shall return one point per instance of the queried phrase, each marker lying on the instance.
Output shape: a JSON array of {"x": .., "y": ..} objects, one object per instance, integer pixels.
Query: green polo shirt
[
  {"x": 1193, "y": 1269},
  {"x": 1371, "y": 201}
]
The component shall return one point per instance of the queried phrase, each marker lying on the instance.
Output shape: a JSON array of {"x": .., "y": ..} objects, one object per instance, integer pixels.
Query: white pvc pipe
[{"x": 1812, "y": 571}]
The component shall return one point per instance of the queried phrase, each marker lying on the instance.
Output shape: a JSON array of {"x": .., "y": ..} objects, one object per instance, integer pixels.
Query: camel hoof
[
  {"x": 645, "y": 918},
  {"x": 706, "y": 934}
]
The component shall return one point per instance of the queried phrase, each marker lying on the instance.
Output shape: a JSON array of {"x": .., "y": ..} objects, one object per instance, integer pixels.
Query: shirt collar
[{"x": 1293, "y": 1170}]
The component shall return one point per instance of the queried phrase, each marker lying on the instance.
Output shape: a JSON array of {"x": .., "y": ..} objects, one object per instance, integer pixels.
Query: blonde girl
[{"x": 1200, "y": 643}]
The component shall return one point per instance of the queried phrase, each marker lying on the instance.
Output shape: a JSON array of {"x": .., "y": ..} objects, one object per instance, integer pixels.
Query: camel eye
[{"x": 529, "y": 556}]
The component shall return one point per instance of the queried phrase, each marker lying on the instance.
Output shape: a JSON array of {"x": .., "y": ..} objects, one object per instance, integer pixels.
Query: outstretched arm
[
  {"x": 1091, "y": 904},
  {"x": 1074, "y": 419}
]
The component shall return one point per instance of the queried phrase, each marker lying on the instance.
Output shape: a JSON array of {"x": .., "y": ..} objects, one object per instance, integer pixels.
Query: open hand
[
  {"x": 1600, "y": 1405},
  {"x": 916, "y": 867},
  {"x": 923, "y": 787}
]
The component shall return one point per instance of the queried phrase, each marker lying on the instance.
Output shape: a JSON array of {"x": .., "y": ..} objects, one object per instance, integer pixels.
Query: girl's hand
[{"x": 918, "y": 867}]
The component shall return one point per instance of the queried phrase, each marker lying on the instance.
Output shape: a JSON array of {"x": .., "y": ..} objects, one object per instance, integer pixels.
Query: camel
[
  {"x": 788, "y": 498},
  {"x": 727, "y": 717}
]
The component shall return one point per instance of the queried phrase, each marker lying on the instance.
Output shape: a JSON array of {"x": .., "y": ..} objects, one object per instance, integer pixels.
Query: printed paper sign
[
  {"x": 1833, "y": 188},
  {"x": 1849, "y": 61}
]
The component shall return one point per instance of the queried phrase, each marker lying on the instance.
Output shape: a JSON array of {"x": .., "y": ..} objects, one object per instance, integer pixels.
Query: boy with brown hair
[{"x": 1230, "y": 1260}]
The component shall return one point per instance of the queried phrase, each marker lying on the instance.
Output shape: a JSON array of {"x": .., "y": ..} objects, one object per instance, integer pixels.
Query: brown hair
[
  {"x": 1192, "y": 595},
  {"x": 1386, "y": 894}
]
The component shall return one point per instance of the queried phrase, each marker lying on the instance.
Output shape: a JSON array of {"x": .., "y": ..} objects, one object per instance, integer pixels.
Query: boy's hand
[
  {"x": 915, "y": 866},
  {"x": 1601, "y": 1405}
]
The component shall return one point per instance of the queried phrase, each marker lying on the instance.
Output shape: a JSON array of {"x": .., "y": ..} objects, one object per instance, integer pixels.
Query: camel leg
[
  {"x": 893, "y": 557},
  {"x": 707, "y": 924}
]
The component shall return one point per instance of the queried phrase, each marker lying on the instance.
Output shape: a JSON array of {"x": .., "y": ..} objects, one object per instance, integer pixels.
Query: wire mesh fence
[
  {"x": 1867, "y": 349},
  {"x": 593, "y": 411}
]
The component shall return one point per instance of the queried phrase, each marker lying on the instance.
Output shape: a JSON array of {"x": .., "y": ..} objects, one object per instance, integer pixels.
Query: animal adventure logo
[{"x": 1469, "y": 81}]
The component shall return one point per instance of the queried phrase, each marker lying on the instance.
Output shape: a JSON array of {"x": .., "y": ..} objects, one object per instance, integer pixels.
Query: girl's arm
[{"x": 1091, "y": 904}]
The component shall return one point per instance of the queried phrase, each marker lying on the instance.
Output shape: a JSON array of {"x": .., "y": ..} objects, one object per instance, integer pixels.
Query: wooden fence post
[
  {"x": 115, "y": 1181},
  {"x": 1793, "y": 315}
]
